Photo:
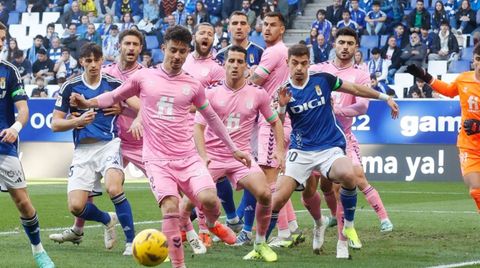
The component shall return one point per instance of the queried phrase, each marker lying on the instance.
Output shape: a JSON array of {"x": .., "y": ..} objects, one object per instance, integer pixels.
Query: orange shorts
[{"x": 469, "y": 161}]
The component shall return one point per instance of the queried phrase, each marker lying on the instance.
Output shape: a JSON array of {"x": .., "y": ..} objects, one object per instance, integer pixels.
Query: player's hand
[
  {"x": 78, "y": 101},
  {"x": 116, "y": 109},
  {"x": 471, "y": 126},
  {"x": 86, "y": 118},
  {"x": 243, "y": 158},
  {"x": 74, "y": 115},
  {"x": 394, "y": 107},
  {"x": 136, "y": 128},
  {"x": 206, "y": 160},
  {"x": 419, "y": 72},
  {"x": 9, "y": 135},
  {"x": 284, "y": 96},
  {"x": 279, "y": 157}
]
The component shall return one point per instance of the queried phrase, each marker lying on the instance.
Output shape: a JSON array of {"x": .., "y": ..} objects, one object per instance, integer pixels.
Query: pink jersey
[
  {"x": 124, "y": 120},
  {"x": 347, "y": 106},
  {"x": 207, "y": 70},
  {"x": 166, "y": 100},
  {"x": 238, "y": 110}
]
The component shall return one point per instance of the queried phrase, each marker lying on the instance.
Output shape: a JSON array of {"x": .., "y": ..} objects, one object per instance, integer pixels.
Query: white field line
[
  {"x": 459, "y": 264},
  {"x": 55, "y": 229}
]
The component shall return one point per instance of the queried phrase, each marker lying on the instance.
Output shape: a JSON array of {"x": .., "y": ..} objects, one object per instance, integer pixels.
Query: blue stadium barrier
[
  {"x": 459, "y": 66},
  {"x": 157, "y": 55},
  {"x": 13, "y": 17},
  {"x": 151, "y": 41},
  {"x": 369, "y": 41}
]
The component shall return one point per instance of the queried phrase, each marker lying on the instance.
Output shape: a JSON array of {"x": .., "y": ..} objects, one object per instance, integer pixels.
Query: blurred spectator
[
  {"x": 427, "y": 37},
  {"x": 401, "y": 37},
  {"x": 445, "y": 45},
  {"x": 190, "y": 23},
  {"x": 321, "y": 50},
  {"x": 311, "y": 39},
  {"x": 394, "y": 11},
  {"x": 438, "y": 15},
  {"x": 359, "y": 61},
  {"x": 37, "y": 5},
  {"x": 323, "y": 25},
  {"x": 3, "y": 13},
  {"x": 73, "y": 15},
  {"x": 414, "y": 53},
  {"x": 144, "y": 26},
  {"x": 128, "y": 6},
  {"x": 167, "y": 7},
  {"x": 56, "y": 6},
  {"x": 475, "y": 5},
  {"x": 91, "y": 35},
  {"x": 347, "y": 22},
  {"x": 190, "y": 6},
  {"x": 465, "y": 18},
  {"x": 33, "y": 51},
  {"x": 12, "y": 48},
  {"x": 227, "y": 8},
  {"x": 256, "y": 6},
  {"x": 201, "y": 14},
  {"x": 88, "y": 6},
  {"x": 40, "y": 91},
  {"x": 104, "y": 8},
  {"x": 127, "y": 22},
  {"x": 214, "y": 9},
  {"x": 251, "y": 16},
  {"x": 181, "y": 14},
  {"x": 366, "y": 5},
  {"x": 391, "y": 53},
  {"x": 375, "y": 19},
  {"x": 151, "y": 11},
  {"x": 24, "y": 66},
  {"x": 420, "y": 90},
  {"x": 110, "y": 45},
  {"x": 219, "y": 33},
  {"x": 104, "y": 28},
  {"x": 358, "y": 15},
  {"x": 43, "y": 66},
  {"x": 378, "y": 66},
  {"x": 55, "y": 51},
  {"x": 47, "y": 39},
  {"x": 381, "y": 87},
  {"x": 170, "y": 22},
  {"x": 66, "y": 67},
  {"x": 256, "y": 35},
  {"x": 334, "y": 12},
  {"x": 147, "y": 60},
  {"x": 334, "y": 30},
  {"x": 449, "y": 6},
  {"x": 418, "y": 17},
  {"x": 82, "y": 28},
  {"x": 70, "y": 39}
]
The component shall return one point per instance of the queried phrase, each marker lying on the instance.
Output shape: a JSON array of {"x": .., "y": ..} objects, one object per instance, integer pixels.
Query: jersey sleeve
[
  {"x": 267, "y": 64},
  {"x": 130, "y": 88},
  {"x": 199, "y": 119},
  {"x": 63, "y": 100},
  {"x": 450, "y": 90},
  {"x": 265, "y": 108},
  {"x": 199, "y": 99},
  {"x": 333, "y": 81},
  {"x": 16, "y": 89}
]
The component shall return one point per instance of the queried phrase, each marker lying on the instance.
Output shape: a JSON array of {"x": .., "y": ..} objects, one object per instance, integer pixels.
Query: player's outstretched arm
[
  {"x": 363, "y": 91},
  {"x": 60, "y": 123},
  {"x": 284, "y": 96},
  {"x": 199, "y": 138},
  {"x": 279, "y": 155},
  {"x": 10, "y": 134},
  {"x": 439, "y": 86}
]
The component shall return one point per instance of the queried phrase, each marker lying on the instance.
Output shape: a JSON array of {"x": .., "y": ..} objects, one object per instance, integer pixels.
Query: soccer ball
[{"x": 150, "y": 247}]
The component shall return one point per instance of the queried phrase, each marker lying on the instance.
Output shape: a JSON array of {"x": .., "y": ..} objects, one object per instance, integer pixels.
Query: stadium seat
[
  {"x": 50, "y": 17},
  {"x": 24, "y": 42},
  {"x": 437, "y": 67},
  {"x": 29, "y": 19},
  {"x": 365, "y": 52},
  {"x": 18, "y": 30},
  {"x": 59, "y": 29},
  {"x": 34, "y": 30},
  {"x": 151, "y": 42},
  {"x": 13, "y": 18},
  {"x": 157, "y": 55},
  {"x": 467, "y": 53},
  {"x": 449, "y": 77},
  {"x": 21, "y": 5},
  {"x": 403, "y": 80},
  {"x": 369, "y": 41},
  {"x": 459, "y": 66},
  {"x": 399, "y": 90},
  {"x": 383, "y": 40}
]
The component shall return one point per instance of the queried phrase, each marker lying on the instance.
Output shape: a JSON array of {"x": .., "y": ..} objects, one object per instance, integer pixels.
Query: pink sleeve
[
  {"x": 265, "y": 109},
  {"x": 217, "y": 126},
  {"x": 267, "y": 64},
  {"x": 358, "y": 108},
  {"x": 130, "y": 88},
  {"x": 199, "y": 119}
]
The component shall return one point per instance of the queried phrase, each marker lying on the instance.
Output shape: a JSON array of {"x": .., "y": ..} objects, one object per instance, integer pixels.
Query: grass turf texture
[{"x": 435, "y": 223}]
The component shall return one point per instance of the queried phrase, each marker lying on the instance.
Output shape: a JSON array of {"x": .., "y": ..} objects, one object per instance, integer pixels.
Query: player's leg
[
  {"x": 225, "y": 193},
  {"x": 472, "y": 180},
  {"x": 330, "y": 198},
  {"x": 246, "y": 210},
  {"x": 470, "y": 167},
  {"x": 186, "y": 225},
  {"x": 297, "y": 234},
  {"x": 171, "y": 228}
]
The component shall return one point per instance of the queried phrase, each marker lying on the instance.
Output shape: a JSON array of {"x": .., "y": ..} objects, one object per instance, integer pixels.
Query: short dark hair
[
  {"x": 375, "y": 51},
  {"x": 298, "y": 50},
  {"x": 376, "y": 3},
  {"x": 90, "y": 48},
  {"x": 348, "y": 32},
  {"x": 51, "y": 24},
  {"x": 65, "y": 49},
  {"x": 195, "y": 29},
  {"x": 235, "y": 48},
  {"x": 128, "y": 32},
  {"x": 238, "y": 13},
  {"x": 321, "y": 11},
  {"x": 42, "y": 51},
  {"x": 38, "y": 36},
  {"x": 2, "y": 27},
  {"x": 18, "y": 54},
  {"x": 278, "y": 15},
  {"x": 178, "y": 33},
  {"x": 346, "y": 11},
  {"x": 147, "y": 53}
]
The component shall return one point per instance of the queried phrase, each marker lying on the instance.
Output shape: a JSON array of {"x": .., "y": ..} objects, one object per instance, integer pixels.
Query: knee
[
  {"x": 114, "y": 190},
  {"x": 76, "y": 207},
  {"x": 264, "y": 197},
  {"x": 348, "y": 178},
  {"x": 278, "y": 202},
  {"x": 169, "y": 205},
  {"x": 208, "y": 198}
]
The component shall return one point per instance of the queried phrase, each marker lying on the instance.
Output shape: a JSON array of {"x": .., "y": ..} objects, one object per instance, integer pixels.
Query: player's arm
[
  {"x": 450, "y": 90},
  {"x": 10, "y": 134},
  {"x": 199, "y": 138},
  {"x": 284, "y": 96},
  {"x": 264, "y": 68},
  {"x": 358, "y": 108},
  {"x": 61, "y": 123}
]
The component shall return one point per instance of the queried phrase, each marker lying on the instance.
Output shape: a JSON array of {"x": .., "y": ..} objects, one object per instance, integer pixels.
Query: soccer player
[
  {"x": 346, "y": 107},
  {"x": 237, "y": 102},
  {"x": 97, "y": 149},
  {"x": 166, "y": 95},
  {"x": 466, "y": 87},
  {"x": 271, "y": 73},
  {"x": 12, "y": 178},
  {"x": 317, "y": 142}
]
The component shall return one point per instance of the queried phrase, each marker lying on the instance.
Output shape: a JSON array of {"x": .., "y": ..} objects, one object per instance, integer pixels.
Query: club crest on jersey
[
  {"x": 204, "y": 72},
  {"x": 3, "y": 83},
  {"x": 252, "y": 58},
  {"x": 318, "y": 90},
  {"x": 249, "y": 104},
  {"x": 186, "y": 90}
]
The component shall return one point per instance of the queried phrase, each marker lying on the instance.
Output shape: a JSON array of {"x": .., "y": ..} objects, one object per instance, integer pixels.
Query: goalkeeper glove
[
  {"x": 471, "y": 126},
  {"x": 419, "y": 72}
]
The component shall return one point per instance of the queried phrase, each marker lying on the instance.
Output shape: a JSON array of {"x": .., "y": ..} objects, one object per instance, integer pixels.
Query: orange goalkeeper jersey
[{"x": 467, "y": 87}]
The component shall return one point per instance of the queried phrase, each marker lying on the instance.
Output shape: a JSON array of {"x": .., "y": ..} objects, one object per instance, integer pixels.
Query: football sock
[
  {"x": 211, "y": 214},
  {"x": 193, "y": 215},
  {"x": 313, "y": 206},
  {"x": 225, "y": 193},
  {"x": 171, "y": 229},
  {"x": 37, "y": 248},
  {"x": 249, "y": 204},
  {"x": 79, "y": 222},
  {"x": 124, "y": 214},
  {"x": 282, "y": 223},
  {"x": 331, "y": 202},
  {"x": 263, "y": 213},
  {"x": 32, "y": 229},
  {"x": 92, "y": 213},
  {"x": 373, "y": 198},
  {"x": 202, "y": 223},
  {"x": 273, "y": 222},
  {"x": 291, "y": 217},
  {"x": 340, "y": 222},
  {"x": 185, "y": 222},
  {"x": 475, "y": 194},
  {"x": 349, "y": 202}
]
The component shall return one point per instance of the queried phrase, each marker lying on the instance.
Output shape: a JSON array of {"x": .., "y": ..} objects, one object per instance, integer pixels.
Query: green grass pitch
[{"x": 435, "y": 223}]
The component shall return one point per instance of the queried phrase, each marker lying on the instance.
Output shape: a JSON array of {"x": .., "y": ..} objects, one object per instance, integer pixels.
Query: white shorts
[
  {"x": 91, "y": 162},
  {"x": 300, "y": 164},
  {"x": 11, "y": 173}
]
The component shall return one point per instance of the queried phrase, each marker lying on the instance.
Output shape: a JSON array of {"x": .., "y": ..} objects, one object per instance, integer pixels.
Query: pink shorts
[
  {"x": 168, "y": 178},
  {"x": 353, "y": 149},
  {"x": 232, "y": 169},
  {"x": 132, "y": 154},
  {"x": 266, "y": 144}
]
